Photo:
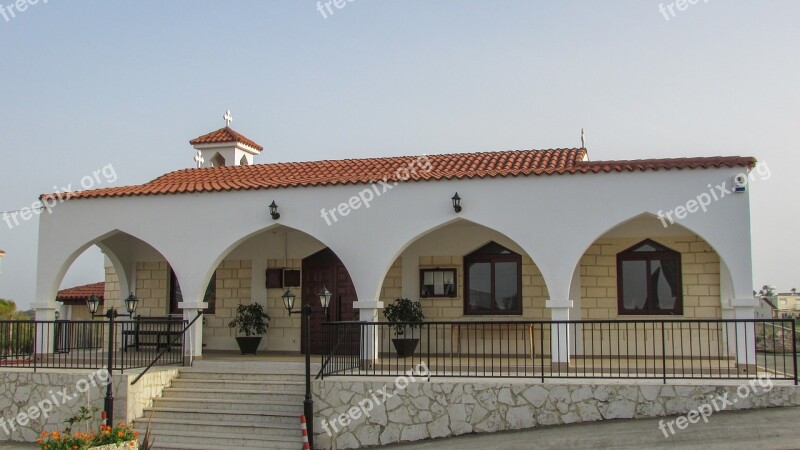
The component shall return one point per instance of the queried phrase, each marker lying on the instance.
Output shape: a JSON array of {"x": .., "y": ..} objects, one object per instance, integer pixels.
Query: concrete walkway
[{"x": 763, "y": 429}]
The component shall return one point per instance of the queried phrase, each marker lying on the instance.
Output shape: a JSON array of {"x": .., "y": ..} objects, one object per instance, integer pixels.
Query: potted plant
[
  {"x": 252, "y": 322},
  {"x": 406, "y": 315}
]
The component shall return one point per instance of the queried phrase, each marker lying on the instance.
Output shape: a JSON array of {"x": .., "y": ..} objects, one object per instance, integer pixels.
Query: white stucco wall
[{"x": 552, "y": 218}]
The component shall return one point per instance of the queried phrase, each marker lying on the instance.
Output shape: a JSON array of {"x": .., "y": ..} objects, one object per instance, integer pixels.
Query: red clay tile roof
[
  {"x": 223, "y": 135},
  {"x": 363, "y": 171},
  {"x": 77, "y": 295},
  {"x": 2, "y": 252}
]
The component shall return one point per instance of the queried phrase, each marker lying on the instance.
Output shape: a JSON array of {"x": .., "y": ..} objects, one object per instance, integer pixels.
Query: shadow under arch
[{"x": 231, "y": 247}]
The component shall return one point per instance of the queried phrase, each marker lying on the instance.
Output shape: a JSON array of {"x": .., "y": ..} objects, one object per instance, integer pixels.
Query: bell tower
[{"x": 225, "y": 147}]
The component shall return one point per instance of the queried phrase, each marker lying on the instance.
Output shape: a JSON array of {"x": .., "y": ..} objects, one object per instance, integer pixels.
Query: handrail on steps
[{"x": 166, "y": 348}]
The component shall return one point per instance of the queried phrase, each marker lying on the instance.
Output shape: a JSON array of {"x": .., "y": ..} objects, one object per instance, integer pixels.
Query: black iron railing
[
  {"x": 83, "y": 344},
  {"x": 655, "y": 349}
]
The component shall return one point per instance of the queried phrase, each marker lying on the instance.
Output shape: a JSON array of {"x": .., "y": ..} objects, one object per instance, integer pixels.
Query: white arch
[
  {"x": 422, "y": 234},
  {"x": 51, "y": 273},
  {"x": 576, "y": 269}
]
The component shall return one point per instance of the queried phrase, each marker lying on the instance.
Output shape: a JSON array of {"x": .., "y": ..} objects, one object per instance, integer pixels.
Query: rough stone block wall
[
  {"x": 437, "y": 409},
  {"x": 23, "y": 390}
]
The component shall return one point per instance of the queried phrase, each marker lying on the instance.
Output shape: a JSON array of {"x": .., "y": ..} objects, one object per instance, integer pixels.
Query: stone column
[
  {"x": 370, "y": 335},
  {"x": 744, "y": 334},
  {"x": 559, "y": 333}
]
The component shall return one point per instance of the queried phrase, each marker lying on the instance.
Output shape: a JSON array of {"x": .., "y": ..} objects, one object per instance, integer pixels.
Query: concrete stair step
[
  {"x": 256, "y": 429},
  {"x": 192, "y": 374},
  {"x": 288, "y": 386},
  {"x": 224, "y": 439},
  {"x": 230, "y": 394},
  {"x": 254, "y": 366},
  {"x": 226, "y": 405},
  {"x": 205, "y": 404},
  {"x": 265, "y": 418}
]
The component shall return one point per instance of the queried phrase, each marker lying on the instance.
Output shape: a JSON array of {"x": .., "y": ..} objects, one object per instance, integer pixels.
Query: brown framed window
[
  {"x": 493, "y": 281},
  {"x": 175, "y": 295},
  {"x": 649, "y": 280},
  {"x": 437, "y": 283}
]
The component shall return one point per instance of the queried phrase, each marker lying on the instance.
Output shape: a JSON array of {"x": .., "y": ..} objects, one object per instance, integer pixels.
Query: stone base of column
[
  {"x": 747, "y": 369},
  {"x": 559, "y": 366},
  {"x": 368, "y": 363}
]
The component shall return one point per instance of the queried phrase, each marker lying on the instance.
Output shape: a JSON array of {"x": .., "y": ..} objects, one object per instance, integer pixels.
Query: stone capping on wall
[{"x": 444, "y": 408}]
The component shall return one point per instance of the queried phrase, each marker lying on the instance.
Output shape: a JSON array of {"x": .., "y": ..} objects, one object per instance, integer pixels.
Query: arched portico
[
  {"x": 121, "y": 248},
  {"x": 702, "y": 287},
  {"x": 445, "y": 247}
]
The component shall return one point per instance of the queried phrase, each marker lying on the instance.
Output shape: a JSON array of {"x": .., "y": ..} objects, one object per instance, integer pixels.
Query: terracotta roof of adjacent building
[
  {"x": 77, "y": 295},
  {"x": 411, "y": 168}
]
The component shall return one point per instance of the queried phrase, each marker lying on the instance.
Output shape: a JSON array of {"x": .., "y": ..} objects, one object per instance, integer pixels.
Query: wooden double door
[{"x": 325, "y": 270}]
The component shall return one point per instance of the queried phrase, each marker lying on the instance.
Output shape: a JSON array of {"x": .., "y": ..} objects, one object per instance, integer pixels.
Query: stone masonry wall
[
  {"x": 392, "y": 287},
  {"x": 234, "y": 287},
  {"x": 437, "y": 409},
  {"x": 534, "y": 291},
  {"x": 284, "y": 330},
  {"x": 699, "y": 267},
  {"x": 111, "y": 292},
  {"x": 22, "y": 390},
  {"x": 152, "y": 288}
]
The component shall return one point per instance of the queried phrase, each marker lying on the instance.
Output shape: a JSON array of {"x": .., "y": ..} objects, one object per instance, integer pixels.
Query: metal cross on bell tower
[{"x": 228, "y": 118}]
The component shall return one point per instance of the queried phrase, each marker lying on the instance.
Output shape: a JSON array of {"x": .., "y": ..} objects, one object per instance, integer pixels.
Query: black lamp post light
[
  {"x": 93, "y": 303},
  {"x": 273, "y": 211},
  {"x": 456, "y": 203},
  {"x": 307, "y": 311}
]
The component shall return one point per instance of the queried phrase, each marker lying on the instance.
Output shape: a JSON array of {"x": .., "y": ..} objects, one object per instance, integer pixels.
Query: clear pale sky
[{"x": 84, "y": 84}]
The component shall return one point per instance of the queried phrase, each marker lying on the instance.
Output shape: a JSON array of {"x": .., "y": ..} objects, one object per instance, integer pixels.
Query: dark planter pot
[
  {"x": 249, "y": 345},
  {"x": 405, "y": 347}
]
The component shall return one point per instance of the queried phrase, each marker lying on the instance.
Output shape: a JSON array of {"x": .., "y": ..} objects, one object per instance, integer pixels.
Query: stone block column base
[{"x": 747, "y": 369}]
